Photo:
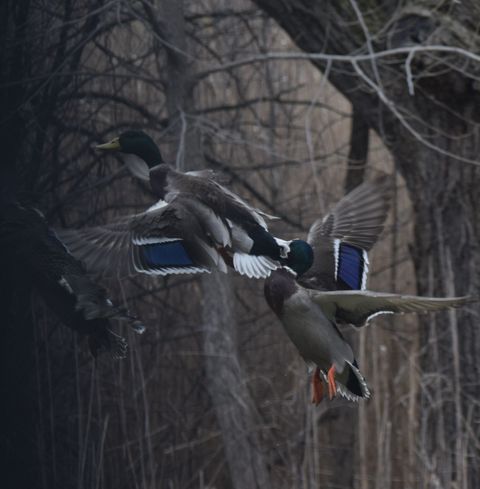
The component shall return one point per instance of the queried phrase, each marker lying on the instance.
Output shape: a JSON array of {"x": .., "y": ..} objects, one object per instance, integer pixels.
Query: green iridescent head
[
  {"x": 300, "y": 256},
  {"x": 137, "y": 143}
]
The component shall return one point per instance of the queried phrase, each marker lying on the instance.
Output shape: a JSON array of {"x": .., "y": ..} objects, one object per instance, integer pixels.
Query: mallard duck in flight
[
  {"x": 310, "y": 303},
  {"x": 60, "y": 279},
  {"x": 198, "y": 225}
]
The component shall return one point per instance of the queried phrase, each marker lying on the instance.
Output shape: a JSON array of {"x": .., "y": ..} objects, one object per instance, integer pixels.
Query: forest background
[{"x": 294, "y": 102}]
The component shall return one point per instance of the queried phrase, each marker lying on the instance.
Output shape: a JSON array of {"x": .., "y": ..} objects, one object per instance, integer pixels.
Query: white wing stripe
[
  {"x": 336, "y": 255},
  {"x": 158, "y": 205},
  {"x": 378, "y": 313},
  {"x": 366, "y": 265},
  {"x": 140, "y": 240}
]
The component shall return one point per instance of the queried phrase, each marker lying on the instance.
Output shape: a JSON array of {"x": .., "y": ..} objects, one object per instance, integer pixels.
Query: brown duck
[{"x": 325, "y": 286}]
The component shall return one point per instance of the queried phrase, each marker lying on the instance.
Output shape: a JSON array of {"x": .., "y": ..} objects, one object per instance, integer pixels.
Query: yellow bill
[{"x": 112, "y": 145}]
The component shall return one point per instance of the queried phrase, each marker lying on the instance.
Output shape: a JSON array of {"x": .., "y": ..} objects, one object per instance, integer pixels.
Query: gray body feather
[{"x": 316, "y": 337}]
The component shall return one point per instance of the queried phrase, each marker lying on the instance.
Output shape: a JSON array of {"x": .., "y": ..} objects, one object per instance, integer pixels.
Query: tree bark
[
  {"x": 235, "y": 409},
  {"x": 358, "y": 154}
]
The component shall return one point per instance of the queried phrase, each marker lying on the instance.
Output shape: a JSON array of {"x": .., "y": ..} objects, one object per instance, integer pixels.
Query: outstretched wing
[
  {"x": 166, "y": 239},
  {"x": 341, "y": 240},
  {"x": 220, "y": 199},
  {"x": 358, "y": 307}
]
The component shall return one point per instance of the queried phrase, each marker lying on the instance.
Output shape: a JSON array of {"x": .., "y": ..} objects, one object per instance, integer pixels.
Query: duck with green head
[
  {"x": 323, "y": 285},
  {"x": 146, "y": 153},
  {"x": 218, "y": 227}
]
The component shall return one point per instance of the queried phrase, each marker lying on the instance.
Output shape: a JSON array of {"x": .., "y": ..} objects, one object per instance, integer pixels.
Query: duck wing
[
  {"x": 234, "y": 225},
  {"x": 203, "y": 187},
  {"x": 235, "y": 200},
  {"x": 61, "y": 280},
  {"x": 359, "y": 307},
  {"x": 236, "y": 228},
  {"x": 214, "y": 178},
  {"x": 166, "y": 239},
  {"x": 341, "y": 239}
]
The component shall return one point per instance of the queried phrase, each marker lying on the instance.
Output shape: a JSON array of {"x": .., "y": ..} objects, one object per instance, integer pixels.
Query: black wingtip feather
[{"x": 353, "y": 384}]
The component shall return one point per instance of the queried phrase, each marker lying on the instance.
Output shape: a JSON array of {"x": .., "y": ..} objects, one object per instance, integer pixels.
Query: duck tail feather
[
  {"x": 105, "y": 340},
  {"x": 355, "y": 386}
]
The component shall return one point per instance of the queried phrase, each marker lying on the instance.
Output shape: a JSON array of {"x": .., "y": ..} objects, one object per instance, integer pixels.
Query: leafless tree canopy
[{"x": 293, "y": 102}]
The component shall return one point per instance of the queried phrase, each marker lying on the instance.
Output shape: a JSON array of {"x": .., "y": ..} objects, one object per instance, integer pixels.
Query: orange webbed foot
[
  {"x": 317, "y": 387},
  {"x": 332, "y": 387}
]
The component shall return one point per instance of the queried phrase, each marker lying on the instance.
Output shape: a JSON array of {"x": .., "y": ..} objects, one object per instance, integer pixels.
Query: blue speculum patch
[
  {"x": 170, "y": 254},
  {"x": 350, "y": 266}
]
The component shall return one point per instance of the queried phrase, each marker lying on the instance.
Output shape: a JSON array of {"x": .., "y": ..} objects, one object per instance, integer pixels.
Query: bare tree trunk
[
  {"x": 236, "y": 412},
  {"x": 234, "y": 408},
  {"x": 358, "y": 154}
]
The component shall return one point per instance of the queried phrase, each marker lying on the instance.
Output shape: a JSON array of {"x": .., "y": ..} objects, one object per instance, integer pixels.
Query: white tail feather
[{"x": 253, "y": 266}]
